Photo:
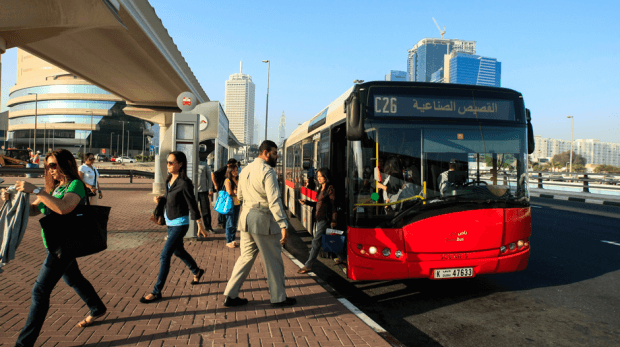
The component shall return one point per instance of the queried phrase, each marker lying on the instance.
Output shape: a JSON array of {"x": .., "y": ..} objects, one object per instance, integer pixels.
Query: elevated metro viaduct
[{"x": 118, "y": 45}]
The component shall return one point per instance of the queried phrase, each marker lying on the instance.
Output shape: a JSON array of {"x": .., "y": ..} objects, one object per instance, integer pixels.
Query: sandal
[
  {"x": 230, "y": 245},
  {"x": 304, "y": 270},
  {"x": 196, "y": 279},
  {"x": 339, "y": 261},
  {"x": 85, "y": 323}
]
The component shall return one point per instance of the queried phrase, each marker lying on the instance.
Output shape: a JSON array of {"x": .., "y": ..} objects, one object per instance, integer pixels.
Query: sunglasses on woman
[{"x": 52, "y": 165}]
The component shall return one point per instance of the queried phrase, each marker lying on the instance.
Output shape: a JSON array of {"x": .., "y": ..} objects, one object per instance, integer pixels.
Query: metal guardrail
[
  {"x": 39, "y": 171},
  {"x": 608, "y": 181}
]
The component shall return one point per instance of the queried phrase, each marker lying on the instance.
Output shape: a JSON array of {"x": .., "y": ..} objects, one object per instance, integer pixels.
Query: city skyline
[{"x": 558, "y": 75}]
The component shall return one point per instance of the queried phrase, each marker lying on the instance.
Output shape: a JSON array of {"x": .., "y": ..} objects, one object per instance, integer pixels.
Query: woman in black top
[
  {"x": 325, "y": 216},
  {"x": 180, "y": 205}
]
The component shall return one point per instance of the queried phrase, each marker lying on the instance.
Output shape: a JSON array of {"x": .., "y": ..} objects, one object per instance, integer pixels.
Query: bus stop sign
[{"x": 186, "y": 101}]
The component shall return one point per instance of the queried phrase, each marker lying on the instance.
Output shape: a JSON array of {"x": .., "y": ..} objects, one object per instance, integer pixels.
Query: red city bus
[{"x": 431, "y": 179}]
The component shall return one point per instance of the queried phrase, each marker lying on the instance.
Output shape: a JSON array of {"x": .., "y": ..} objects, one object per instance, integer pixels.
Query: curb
[
  {"x": 570, "y": 198},
  {"x": 356, "y": 311}
]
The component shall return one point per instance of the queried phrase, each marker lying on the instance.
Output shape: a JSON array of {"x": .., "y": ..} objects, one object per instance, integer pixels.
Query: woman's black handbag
[
  {"x": 82, "y": 232},
  {"x": 158, "y": 213}
]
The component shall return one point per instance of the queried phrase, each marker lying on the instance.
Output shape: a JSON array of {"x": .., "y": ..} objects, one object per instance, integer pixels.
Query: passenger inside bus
[
  {"x": 444, "y": 179},
  {"x": 394, "y": 186}
]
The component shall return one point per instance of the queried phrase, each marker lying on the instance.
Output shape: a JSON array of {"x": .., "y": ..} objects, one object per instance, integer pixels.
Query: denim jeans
[
  {"x": 174, "y": 245},
  {"x": 317, "y": 242},
  {"x": 231, "y": 223},
  {"x": 51, "y": 272}
]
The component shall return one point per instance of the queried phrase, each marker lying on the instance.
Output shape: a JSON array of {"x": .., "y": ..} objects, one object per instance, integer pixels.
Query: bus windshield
[{"x": 429, "y": 165}]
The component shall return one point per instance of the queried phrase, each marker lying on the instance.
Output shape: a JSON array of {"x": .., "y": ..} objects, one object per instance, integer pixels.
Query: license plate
[{"x": 454, "y": 273}]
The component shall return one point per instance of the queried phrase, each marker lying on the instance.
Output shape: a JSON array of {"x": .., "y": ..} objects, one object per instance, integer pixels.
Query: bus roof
[{"x": 335, "y": 110}]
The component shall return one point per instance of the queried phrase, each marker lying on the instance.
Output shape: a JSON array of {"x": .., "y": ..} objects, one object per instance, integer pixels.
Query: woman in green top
[{"x": 62, "y": 193}]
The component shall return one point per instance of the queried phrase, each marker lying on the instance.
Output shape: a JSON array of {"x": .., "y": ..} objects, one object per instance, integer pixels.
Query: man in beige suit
[{"x": 263, "y": 228}]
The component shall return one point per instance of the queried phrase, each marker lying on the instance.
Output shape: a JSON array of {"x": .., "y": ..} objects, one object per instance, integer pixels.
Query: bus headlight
[
  {"x": 512, "y": 246},
  {"x": 520, "y": 244},
  {"x": 372, "y": 250},
  {"x": 398, "y": 254},
  {"x": 502, "y": 249},
  {"x": 386, "y": 252}
]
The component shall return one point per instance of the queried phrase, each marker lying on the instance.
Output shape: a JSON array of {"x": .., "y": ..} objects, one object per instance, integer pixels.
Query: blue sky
[{"x": 564, "y": 56}]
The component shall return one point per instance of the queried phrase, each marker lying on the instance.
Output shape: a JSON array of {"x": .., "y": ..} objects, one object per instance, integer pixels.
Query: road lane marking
[
  {"x": 535, "y": 206},
  {"x": 611, "y": 242}
]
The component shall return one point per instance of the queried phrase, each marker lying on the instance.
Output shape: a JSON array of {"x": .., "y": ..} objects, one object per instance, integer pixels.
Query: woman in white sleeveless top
[{"x": 90, "y": 177}]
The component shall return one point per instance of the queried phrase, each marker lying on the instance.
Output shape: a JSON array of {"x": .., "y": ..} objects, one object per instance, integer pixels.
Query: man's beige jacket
[{"x": 262, "y": 211}]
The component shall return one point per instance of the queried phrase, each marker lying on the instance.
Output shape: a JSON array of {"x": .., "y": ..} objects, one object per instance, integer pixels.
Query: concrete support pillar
[{"x": 161, "y": 170}]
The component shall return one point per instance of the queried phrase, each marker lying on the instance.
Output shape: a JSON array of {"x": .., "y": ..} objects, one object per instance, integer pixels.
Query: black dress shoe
[
  {"x": 287, "y": 302},
  {"x": 156, "y": 298},
  {"x": 230, "y": 302},
  {"x": 200, "y": 273}
]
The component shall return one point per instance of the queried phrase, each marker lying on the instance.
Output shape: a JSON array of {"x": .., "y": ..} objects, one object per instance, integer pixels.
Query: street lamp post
[
  {"x": 118, "y": 136},
  {"x": 571, "y": 141},
  {"x": 90, "y": 147},
  {"x": 111, "y": 144},
  {"x": 267, "y": 107},
  {"x": 123, "y": 144},
  {"x": 127, "y": 142},
  {"x": 36, "y": 105}
]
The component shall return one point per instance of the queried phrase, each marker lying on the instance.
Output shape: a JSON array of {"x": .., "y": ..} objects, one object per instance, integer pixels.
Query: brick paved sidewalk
[{"x": 188, "y": 315}]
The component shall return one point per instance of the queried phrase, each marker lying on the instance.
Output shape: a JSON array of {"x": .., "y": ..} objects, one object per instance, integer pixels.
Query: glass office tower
[
  {"x": 427, "y": 56},
  {"x": 474, "y": 69},
  {"x": 69, "y": 113}
]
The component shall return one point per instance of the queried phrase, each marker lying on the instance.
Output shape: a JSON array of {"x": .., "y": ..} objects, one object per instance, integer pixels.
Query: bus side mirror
[
  {"x": 531, "y": 144},
  {"x": 355, "y": 125}
]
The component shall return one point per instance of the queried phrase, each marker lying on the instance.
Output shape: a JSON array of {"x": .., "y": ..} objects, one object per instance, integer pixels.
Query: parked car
[
  {"x": 102, "y": 157},
  {"x": 125, "y": 160}
]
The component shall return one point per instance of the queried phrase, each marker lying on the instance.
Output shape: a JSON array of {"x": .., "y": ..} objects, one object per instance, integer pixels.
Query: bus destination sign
[{"x": 406, "y": 106}]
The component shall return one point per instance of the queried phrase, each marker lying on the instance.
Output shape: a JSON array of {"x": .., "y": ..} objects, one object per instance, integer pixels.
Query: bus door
[
  {"x": 338, "y": 167},
  {"x": 308, "y": 188}
]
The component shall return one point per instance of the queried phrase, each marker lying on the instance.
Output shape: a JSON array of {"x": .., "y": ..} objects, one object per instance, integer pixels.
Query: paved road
[{"x": 568, "y": 296}]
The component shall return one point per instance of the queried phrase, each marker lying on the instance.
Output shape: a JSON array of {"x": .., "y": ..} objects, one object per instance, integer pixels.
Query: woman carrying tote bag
[{"x": 62, "y": 193}]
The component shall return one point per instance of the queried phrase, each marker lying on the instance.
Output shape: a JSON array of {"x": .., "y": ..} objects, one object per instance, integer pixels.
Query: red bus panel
[{"x": 469, "y": 239}]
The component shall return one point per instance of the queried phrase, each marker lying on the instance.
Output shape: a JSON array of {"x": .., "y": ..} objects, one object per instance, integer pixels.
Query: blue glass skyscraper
[
  {"x": 396, "y": 75},
  {"x": 474, "y": 69},
  {"x": 427, "y": 56}
]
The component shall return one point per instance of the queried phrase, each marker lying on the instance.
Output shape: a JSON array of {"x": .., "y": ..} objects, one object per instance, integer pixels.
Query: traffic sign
[{"x": 152, "y": 148}]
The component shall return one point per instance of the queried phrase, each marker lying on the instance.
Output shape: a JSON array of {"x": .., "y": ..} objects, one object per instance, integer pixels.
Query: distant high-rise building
[
  {"x": 396, "y": 75},
  {"x": 474, "y": 69},
  {"x": 239, "y": 105},
  {"x": 427, "y": 56},
  {"x": 594, "y": 151},
  {"x": 466, "y": 68},
  {"x": 257, "y": 132},
  {"x": 282, "y": 128}
]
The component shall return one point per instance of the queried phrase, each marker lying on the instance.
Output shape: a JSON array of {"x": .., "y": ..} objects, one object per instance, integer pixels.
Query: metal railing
[
  {"x": 606, "y": 181},
  {"x": 40, "y": 171}
]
